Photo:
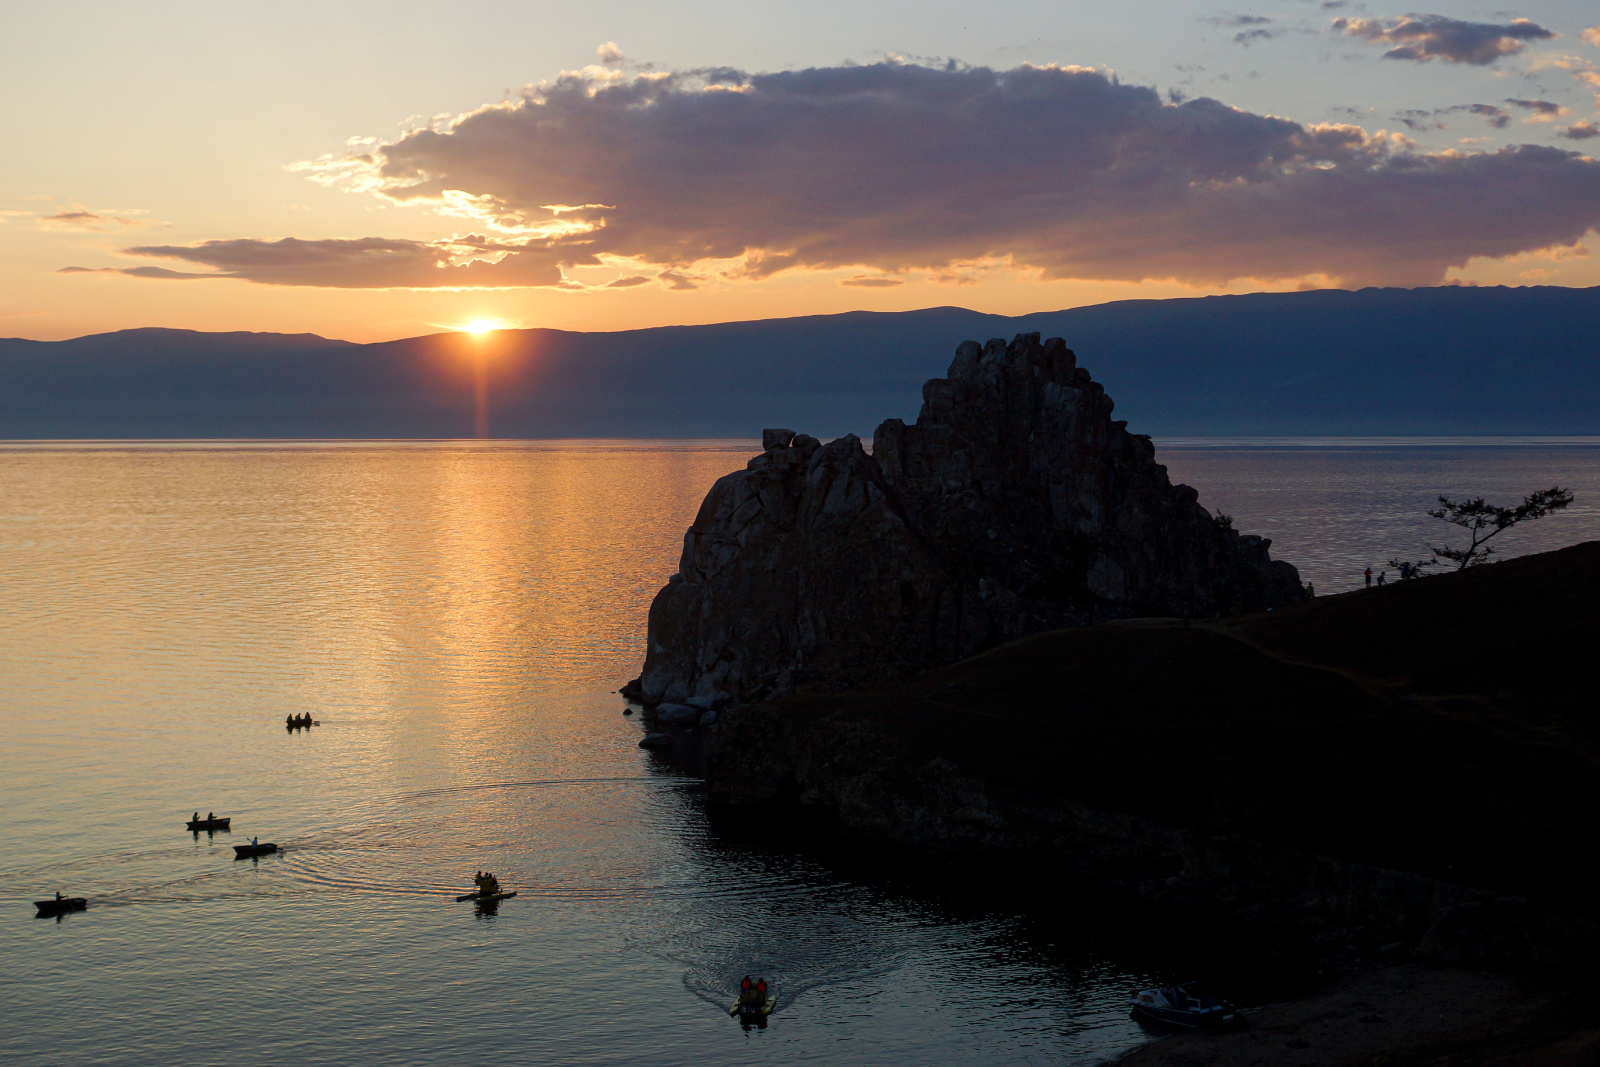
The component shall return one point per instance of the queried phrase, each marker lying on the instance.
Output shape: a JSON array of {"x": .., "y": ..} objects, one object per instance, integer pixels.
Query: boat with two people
[
  {"x": 488, "y": 891},
  {"x": 1190, "y": 1005},
  {"x": 61, "y": 905},
  {"x": 210, "y": 823},
  {"x": 755, "y": 1001},
  {"x": 254, "y": 849}
]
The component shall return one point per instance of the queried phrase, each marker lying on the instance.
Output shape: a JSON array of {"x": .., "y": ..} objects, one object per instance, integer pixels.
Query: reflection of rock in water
[{"x": 770, "y": 915}]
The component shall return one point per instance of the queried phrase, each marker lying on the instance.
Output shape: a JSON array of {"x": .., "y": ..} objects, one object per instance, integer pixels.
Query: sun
[{"x": 481, "y": 325}]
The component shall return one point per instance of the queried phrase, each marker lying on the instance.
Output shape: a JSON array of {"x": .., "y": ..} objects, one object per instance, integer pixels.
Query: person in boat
[
  {"x": 761, "y": 991},
  {"x": 196, "y": 817},
  {"x": 211, "y": 816},
  {"x": 747, "y": 991},
  {"x": 253, "y": 841}
]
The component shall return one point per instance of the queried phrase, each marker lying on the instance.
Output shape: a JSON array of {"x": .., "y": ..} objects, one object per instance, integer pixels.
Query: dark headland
[{"x": 1005, "y": 636}]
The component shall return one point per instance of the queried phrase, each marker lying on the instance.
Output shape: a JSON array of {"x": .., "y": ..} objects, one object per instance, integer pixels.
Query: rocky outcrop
[{"x": 1014, "y": 504}]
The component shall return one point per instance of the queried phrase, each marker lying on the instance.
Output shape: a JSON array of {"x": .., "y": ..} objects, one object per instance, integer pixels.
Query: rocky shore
[
  {"x": 1014, "y": 505},
  {"x": 1366, "y": 778},
  {"x": 1398, "y": 1016},
  {"x": 1005, "y": 637}
]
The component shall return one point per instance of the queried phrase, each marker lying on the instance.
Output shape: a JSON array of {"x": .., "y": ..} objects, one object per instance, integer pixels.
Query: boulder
[
  {"x": 1014, "y": 504},
  {"x": 677, "y": 714},
  {"x": 656, "y": 740}
]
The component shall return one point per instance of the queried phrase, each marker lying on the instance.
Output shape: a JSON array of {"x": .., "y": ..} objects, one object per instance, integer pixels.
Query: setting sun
[{"x": 482, "y": 325}]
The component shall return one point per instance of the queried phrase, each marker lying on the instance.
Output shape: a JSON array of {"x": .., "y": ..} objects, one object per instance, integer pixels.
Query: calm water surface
[{"x": 457, "y": 616}]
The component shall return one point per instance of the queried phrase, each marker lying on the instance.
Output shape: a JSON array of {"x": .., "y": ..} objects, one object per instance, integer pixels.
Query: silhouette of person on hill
[{"x": 1369, "y": 577}]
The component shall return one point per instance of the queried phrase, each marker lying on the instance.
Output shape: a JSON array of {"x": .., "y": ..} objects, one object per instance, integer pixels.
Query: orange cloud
[{"x": 1064, "y": 173}]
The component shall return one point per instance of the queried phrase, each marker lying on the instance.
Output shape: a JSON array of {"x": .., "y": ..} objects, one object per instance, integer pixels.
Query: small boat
[
  {"x": 208, "y": 824},
  {"x": 246, "y": 851},
  {"x": 1188, "y": 1004},
  {"x": 486, "y": 898},
  {"x": 61, "y": 905},
  {"x": 755, "y": 1008}
]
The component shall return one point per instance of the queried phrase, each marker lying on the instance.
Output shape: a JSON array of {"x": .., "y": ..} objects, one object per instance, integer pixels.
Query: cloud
[
  {"x": 1591, "y": 35},
  {"x": 140, "y": 272},
  {"x": 1420, "y": 119},
  {"x": 610, "y": 53},
  {"x": 80, "y": 219},
  {"x": 366, "y": 263},
  {"x": 1248, "y": 37},
  {"x": 1424, "y": 37},
  {"x": 1543, "y": 110},
  {"x": 871, "y": 281},
  {"x": 678, "y": 280},
  {"x": 628, "y": 282},
  {"x": 892, "y": 167},
  {"x": 1494, "y": 116},
  {"x": 1230, "y": 21},
  {"x": 1580, "y": 131}
]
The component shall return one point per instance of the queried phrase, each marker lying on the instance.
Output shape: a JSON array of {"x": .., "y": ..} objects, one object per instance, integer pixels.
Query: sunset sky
[{"x": 372, "y": 171}]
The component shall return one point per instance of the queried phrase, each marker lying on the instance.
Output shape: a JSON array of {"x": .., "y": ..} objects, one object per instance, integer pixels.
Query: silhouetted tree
[
  {"x": 1412, "y": 568},
  {"x": 1483, "y": 521}
]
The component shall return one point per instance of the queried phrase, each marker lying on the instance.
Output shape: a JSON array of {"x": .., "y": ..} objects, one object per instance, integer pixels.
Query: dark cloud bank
[{"x": 897, "y": 167}]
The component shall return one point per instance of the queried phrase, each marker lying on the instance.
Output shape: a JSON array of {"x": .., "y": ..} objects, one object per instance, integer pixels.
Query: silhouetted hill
[{"x": 1390, "y": 361}]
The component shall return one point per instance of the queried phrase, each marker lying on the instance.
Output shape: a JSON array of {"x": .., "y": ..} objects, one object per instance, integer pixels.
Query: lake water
[{"x": 458, "y": 616}]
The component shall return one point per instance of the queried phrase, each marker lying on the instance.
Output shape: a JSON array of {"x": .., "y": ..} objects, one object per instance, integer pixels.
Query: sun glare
[{"x": 482, "y": 325}]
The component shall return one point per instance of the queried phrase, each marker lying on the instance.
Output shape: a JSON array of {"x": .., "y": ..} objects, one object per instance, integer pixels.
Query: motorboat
[{"x": 1188, "y": 1004}]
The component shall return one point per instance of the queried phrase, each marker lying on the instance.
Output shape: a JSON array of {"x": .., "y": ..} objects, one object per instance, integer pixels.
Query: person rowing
[
  {"x": 747, "y": 992},
  {"x": 761, "y": 992}
]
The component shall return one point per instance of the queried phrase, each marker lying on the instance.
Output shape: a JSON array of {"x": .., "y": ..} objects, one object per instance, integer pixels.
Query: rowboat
[
  {"x": 491, "y": 898},
  {"x": 208, "y": 824},
  {"x": 60, "y": 905},
  {"x": 246, "y": 851}
]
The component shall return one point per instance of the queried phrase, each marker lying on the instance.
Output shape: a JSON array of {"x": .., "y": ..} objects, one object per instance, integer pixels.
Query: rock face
[{"x": 1014, "y": 504}]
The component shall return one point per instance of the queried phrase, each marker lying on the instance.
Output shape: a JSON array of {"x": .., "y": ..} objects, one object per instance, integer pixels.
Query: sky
[{"x": 373, "y": 171}]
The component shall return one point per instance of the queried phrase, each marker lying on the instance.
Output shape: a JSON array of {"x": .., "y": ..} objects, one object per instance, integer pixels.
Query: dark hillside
[{"x": 1445, "y": 727}]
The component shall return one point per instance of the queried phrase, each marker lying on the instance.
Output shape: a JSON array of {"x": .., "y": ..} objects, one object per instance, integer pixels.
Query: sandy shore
[{"x": 1398, "y": 1016}]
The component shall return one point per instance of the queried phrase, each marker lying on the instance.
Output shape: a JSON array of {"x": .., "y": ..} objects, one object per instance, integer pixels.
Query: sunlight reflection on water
[{"x": 456, "y": 616}]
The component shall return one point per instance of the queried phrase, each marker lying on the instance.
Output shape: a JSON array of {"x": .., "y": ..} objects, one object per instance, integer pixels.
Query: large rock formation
[{"x": 1014, "y": 504}]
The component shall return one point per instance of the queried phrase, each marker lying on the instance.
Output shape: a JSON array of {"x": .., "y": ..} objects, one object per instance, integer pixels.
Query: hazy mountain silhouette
[{"x": 1453, "y": 360}]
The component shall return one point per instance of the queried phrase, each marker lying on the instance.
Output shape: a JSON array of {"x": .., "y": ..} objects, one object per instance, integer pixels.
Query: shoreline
[{"x": 1400, "y": 1015}]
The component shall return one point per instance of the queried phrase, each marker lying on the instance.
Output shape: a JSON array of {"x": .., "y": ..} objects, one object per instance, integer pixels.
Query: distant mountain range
[{"x": 1452, "y": 360}]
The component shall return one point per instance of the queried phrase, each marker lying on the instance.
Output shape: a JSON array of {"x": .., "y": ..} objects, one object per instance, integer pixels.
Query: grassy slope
[{"x": 1447, "y": 726}]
